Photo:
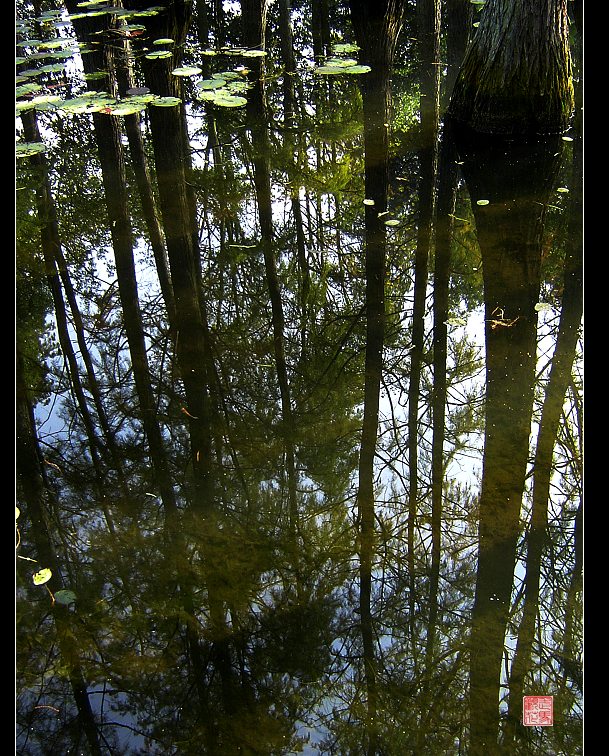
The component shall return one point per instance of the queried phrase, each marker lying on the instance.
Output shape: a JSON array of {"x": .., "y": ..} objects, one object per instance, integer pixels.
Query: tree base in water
[{"x": 516, "y": 75}]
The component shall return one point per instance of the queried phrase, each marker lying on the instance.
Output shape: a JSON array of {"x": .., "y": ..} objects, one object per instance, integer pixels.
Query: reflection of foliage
[{"x": 228, "y": 623}]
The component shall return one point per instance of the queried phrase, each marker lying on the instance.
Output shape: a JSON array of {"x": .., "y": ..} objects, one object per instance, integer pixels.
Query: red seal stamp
[{"x": 538, "y": 711}]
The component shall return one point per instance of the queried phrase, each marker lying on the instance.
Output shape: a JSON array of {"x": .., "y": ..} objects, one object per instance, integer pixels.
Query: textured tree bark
[{"x": 516, "y": 77}]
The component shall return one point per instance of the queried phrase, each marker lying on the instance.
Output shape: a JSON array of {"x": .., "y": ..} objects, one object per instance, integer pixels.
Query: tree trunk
[{"x": 516, "y": 76}]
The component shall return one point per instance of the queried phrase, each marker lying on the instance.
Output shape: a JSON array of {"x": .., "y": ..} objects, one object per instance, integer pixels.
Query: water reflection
[{"x": 298, "y": 401}]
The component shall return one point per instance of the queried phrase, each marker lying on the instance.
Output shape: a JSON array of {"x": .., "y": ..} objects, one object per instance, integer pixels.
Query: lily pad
[
  {"x": 339, "y": 66},
  {"x": 230, "y": 101},
  {"x": 211, "y": 84},
  {"x": 125, "y": 108},
  {"x": 186, "y": 71},
  {"x": 159, "y": 54},
  {"x": 345, "y": 47},
  {"x": 25, "y": 89},
  {"x": 65, "y": 597},
  {"x": 166, "y": 102},
  {"x": 42, "y": 577},
  {"x": 53, "y": 68}
]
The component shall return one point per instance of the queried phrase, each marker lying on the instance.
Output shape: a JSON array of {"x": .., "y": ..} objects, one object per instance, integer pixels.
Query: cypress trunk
[{"x": 516, "y": 77}]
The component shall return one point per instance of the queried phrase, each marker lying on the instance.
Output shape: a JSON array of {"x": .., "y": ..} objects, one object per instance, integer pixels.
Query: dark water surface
[{"x": 299, "y": 391}]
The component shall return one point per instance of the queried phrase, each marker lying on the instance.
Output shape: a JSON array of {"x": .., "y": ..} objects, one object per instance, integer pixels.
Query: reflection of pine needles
[{"x": 501, "y": 320}]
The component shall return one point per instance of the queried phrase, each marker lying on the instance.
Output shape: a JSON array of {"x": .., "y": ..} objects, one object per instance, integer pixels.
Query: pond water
[{"x": 298, "y": 391}]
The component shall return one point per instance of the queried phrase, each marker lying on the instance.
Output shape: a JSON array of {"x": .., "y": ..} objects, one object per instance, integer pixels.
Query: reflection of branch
[{"x": 501, "y": 320}]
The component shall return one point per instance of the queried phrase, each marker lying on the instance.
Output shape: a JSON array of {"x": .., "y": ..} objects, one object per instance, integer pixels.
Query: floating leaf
[
  {"x": 88, "y": 103},
  {"x": 254, "y": 53},
  {"x": 53, "y": 68},
  {"x": 166, "y": 102},
  {"x": 17, "y": 513},
  {"x": 25, "y": 89},
  {"x": 65, "y": 597},
  {"x": 186, "y": 71},
  {"x": 159, "y": 54},
  {"x": 227, "y": 76},
  {"x": 125, "y": 108},
  {"x": 567, "y": 139},
  {"x": 542, "y": 307},
  {"x": 23, "y": 105},
  {"x": 61, "y": 54},
  {"x": 52, "y": 44},
  {"x": 337, "y": 66},
  {"x": 345, "y": 47},
  {"x": 229, "y": 101},
  {"x": 45, "y": 102},
  {"x": 210, "y": 84},
  {"x": 392, "y": 222},
  {"x": 42, "y": 577},
  {"x": 368, "y": 202},
  {"x": 482, "y": 202},
  {"x": 456, "y": 321},
  {"x": 562, "y": 189},
  {"x": 25, "y": 149},
  {"x": 140, "y": 99},
  {"x": 163, "y": 41},
  {"x": 208, "y": 95}
]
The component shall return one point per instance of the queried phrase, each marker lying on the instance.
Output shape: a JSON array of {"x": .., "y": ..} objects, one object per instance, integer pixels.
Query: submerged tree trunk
[{"x": 516, "y": 76}]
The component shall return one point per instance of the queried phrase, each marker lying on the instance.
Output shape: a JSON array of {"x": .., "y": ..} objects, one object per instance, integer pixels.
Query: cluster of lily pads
[
  {"x": 339, "y": 66},
  {"x": 223, "y": 89}
]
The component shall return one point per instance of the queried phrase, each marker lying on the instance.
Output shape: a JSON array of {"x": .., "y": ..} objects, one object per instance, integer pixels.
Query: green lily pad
[
  {"x": 230, "y": 101},
  {"x": 53, "y": 68},
  {"x": 25, "y": 89},
  {"x": 166, "y": 102},
  {"x": 42, "y": 577},
  {"x": 211, "y": 84},
  {"x": 65, "y": 597},
  {"x": 159, "y": 54},
  {"x": 186, "y": 71},
  {"x": 125, "y": 108}
]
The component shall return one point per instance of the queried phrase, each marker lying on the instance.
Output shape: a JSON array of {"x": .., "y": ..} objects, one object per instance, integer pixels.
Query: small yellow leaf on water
[
  {"x": 42, "y": 577},
  {"x": 482, "y": 202}
]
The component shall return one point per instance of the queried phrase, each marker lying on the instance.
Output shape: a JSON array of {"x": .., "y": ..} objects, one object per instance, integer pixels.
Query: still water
[{"x": 299, "y": 392}]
